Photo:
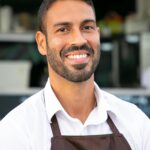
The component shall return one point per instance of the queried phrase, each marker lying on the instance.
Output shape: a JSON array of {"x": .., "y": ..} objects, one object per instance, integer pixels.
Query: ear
[{"x": 41, "y": 42}]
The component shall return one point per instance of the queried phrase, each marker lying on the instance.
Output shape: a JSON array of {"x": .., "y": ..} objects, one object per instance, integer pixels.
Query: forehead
[{"x": 69, "y": 11}]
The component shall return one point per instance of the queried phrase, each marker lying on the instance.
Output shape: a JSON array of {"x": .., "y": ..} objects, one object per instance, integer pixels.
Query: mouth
[{"x": 78, "y": 57}]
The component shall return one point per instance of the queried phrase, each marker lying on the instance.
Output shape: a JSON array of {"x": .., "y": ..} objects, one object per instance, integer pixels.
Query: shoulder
[
  {"x": 127, "y": 112},
  {"x": 121, "y": 106},
  {"x": 123, "y": 110},
  {"x": 130, "y": 120},
  {"x": 19, "y": 125},
  {"x": 118, "y": 106},
  {"x": 26, "y": 104},
  {"x": 115, "y": 101},
  {"x": 25, "y": 114}
]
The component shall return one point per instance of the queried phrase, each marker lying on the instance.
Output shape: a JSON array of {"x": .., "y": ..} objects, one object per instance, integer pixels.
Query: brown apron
[{"x": 115, "y": 141}]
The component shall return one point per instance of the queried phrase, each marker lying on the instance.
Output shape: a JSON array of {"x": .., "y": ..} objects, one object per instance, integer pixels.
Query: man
[{"x": 71, "y": 112}]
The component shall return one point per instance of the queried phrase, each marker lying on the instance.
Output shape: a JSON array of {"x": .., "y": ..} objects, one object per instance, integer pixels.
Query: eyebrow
[
  {"x": 88, "y": 21},
  {"x": 68, "y": 23}
]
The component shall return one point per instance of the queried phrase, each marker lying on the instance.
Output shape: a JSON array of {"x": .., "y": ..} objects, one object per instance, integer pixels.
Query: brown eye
[
  {"x": 62, "y": 29},
  {"x": 88, "y": 28}
]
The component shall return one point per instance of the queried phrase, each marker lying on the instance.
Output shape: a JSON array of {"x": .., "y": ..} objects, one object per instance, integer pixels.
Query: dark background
[{"x": 122, "y": 7}]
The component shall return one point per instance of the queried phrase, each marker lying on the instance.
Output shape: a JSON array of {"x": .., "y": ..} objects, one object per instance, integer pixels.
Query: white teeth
[{"x": 77, "y": 56}]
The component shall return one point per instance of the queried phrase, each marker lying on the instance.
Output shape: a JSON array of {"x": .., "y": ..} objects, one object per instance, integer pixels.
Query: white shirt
[{"x": 27, "y": 127}]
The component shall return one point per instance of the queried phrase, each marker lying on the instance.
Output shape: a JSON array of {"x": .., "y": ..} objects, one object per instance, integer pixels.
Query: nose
[{"x": 77, "y": 38}]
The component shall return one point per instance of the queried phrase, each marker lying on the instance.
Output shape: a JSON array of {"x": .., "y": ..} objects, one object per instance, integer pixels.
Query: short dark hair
[{"x": 45, "y": 5}]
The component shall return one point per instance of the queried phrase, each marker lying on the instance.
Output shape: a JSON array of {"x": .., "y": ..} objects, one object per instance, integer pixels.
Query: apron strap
[
  {"x": 55, "y": 126},
  {"x": 112, "y": 126},
  {"x": 56, "y": 130}
]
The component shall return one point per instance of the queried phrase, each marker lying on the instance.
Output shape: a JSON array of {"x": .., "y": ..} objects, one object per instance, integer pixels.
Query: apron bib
[{"x": 114, "y": 141}]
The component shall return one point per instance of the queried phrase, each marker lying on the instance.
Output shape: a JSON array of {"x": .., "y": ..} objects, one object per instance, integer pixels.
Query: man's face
[{"x": 72, "y": 40}]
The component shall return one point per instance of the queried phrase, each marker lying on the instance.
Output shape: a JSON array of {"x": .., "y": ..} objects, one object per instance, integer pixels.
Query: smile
[{"x": 78, "y": 56}]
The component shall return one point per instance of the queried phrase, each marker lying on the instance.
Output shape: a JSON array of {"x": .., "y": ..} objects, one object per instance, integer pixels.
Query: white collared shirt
[{"x": 27, "y": 127}]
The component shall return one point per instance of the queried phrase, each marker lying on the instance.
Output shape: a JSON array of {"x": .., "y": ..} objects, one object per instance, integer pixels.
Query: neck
[{"x": 78, "y": 99}]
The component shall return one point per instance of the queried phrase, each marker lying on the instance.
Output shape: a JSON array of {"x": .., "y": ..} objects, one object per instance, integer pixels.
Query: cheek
[{"x": 57, "y": 44}]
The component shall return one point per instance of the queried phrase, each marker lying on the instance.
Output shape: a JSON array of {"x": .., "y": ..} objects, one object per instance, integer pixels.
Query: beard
[{"x": 79, "y": 73}]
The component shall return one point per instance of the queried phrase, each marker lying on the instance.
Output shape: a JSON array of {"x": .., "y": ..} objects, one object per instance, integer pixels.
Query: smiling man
[{"x": 72, "y": 112}]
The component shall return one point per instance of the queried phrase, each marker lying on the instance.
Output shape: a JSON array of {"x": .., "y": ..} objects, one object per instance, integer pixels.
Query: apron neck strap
[
  {"x": 112, "y": 125},
  {"x": 55, "y": 126},
  {"x": 56, "y": 130}
]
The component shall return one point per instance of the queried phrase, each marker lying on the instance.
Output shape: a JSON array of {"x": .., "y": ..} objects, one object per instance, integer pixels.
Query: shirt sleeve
[
  {"x": 145, "y": 133},
  {"x": 12, "y": 136}
]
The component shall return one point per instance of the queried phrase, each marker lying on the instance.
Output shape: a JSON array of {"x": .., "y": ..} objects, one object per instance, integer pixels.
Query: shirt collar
[
  {"x": 53, "y": 105},
  {"x": 104, "y": 107}
]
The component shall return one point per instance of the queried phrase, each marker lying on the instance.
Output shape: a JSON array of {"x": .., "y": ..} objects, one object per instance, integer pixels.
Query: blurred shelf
[
  {"x": 115, "y": 91},
  {"x": 129, "y": 91},
  {"x": 19, "y": 92},
  {"x": 17, "y": 37}
]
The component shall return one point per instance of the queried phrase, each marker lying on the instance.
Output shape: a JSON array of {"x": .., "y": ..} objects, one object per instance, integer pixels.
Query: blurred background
[{"x": 124, "y": 68}]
